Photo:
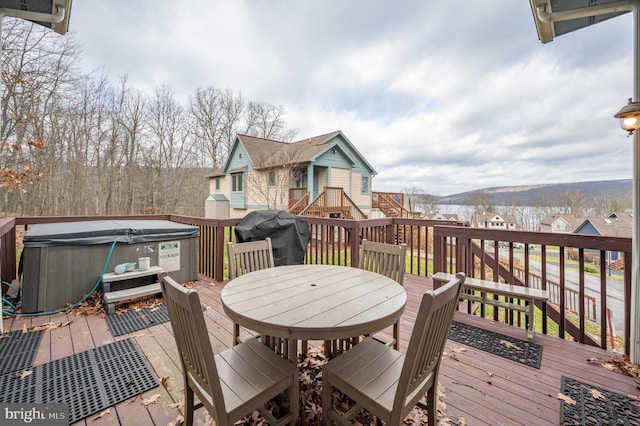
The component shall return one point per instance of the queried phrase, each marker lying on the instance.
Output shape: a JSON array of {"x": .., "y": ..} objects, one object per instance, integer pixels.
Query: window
[
  {"x": 298, "y": 177},
  {"x": 217, "y": 184},
  {"x": 271, "y": 178},
  {"x": 236, "y": 182},
  {"x": 365, "y": 185}
]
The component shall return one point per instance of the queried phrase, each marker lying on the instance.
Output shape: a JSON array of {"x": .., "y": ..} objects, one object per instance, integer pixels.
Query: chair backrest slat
[
  {"x": 192, "y": 340},
  {"x": 250, "y": 256},
  {"x": 428, "y": 338},
  {"x": 385, "y": 259}
]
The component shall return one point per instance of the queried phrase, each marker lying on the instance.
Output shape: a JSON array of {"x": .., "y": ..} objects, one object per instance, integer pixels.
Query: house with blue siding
[
  {"x": 617, "y": 224},
  {"x": 325, "y": 170}
]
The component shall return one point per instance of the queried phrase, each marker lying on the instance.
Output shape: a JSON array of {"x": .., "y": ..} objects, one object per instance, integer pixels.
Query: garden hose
[{"x": 66, "y": 308}]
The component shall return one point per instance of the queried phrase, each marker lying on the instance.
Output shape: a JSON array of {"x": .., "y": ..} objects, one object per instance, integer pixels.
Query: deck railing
[
  {"x": 580, "y": 301},
  {"x": 473, "y": 250}
]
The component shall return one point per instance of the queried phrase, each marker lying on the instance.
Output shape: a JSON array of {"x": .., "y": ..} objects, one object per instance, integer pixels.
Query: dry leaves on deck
[
  {"x": 510, "y": 345},
  {"x": 151, "y": 400},
  {"x": 566, "y": 399},
  {"x": 50, "y": 326},
  {"x": 102, "y": 414},
  {"x": 311, "y": 400}
]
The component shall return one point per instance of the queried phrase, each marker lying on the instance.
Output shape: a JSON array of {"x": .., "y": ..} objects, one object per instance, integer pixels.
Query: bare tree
[
  {"x": 267, "y": 121},
  {"x": 36, "y": 68},
  {"x": 171, "y": 155},
  {"x": 214, "y": 116},
  {"x": 82, "y": 145},
  {"x": 234, "y": 106},
  {"x": 269, "y": 184},
  {"x": 480, "y": 201},
  {"x": 574, "y": 202},
  {"x": 606, "y": 203},
  {"x": 206, "y": 111},
  {"x": 131, "y": 130},
  {"x": 429, "y": 203},
  {"x": 415, "y": 196}
]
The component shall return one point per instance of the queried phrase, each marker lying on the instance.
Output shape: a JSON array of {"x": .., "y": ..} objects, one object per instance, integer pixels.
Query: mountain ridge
[{"x": 528, "y": 194}]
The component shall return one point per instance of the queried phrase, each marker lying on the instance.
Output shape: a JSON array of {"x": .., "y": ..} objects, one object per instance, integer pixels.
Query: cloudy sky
[{"x": 446, "y": 96}]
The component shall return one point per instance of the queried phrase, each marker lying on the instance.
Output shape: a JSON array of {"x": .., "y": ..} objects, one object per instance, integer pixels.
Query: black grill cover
[{"x": 289, "y": 234}]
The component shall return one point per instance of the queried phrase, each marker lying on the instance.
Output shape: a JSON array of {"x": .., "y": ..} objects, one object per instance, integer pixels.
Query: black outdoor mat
[
  {"x": 88, "y": 381},
  {"x": 135, "y": 320},
  {"x": 596, "y": 406},
  {"x": 18, "y": 350},
  {"x": 508, "y": 347}
]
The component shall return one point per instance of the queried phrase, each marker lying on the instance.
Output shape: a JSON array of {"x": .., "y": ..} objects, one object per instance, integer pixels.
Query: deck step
[{"x": 112, "y": 297}]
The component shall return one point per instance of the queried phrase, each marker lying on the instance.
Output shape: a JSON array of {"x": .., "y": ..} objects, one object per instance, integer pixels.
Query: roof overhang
[
  {"x": 52, "y": 14},
  {"x": 557, "y": 17}
]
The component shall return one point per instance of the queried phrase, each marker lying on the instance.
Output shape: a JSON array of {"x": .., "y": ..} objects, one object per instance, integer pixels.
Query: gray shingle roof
[{"x": 270, "y": 153}]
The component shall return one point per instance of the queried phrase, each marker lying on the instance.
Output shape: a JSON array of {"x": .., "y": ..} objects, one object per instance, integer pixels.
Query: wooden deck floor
[{"x": 482, "y": 388}]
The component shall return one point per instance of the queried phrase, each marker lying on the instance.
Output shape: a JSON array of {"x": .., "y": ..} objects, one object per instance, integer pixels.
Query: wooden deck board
[{"x": 483, "y": 388}]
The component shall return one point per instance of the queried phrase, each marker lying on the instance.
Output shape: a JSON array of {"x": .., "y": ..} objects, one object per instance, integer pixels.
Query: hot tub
[{"x": 63, "y": 261}]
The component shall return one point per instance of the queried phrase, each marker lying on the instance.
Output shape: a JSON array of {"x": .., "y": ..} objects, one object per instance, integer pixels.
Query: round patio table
[{"x": 313, "y": 302}]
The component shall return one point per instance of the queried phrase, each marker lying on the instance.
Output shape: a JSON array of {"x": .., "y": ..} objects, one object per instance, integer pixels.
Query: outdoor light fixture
[{"x": 629, "y": 116}]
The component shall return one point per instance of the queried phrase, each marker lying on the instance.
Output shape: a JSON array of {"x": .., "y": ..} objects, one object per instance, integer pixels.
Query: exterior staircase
[{"x": 332, "y": 202}]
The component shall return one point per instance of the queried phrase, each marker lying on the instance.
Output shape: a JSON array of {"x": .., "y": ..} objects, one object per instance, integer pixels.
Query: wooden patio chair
[
  {"x": 388, "y": 260},
  {"x": 388, "y": 383},
  {"x": 230, "y": 384},
  {"x": 248, "y": 257}
]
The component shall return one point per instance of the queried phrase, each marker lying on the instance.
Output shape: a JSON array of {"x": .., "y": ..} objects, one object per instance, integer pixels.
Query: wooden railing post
[{"x": 219, "y": 252}]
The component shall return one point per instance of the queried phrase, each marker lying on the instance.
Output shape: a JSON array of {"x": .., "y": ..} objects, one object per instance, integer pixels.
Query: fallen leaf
[
  {"x": 165, "y": 382},
  {"x": 594, "y": 360},
  {"x": 178, "y": 421},
  {"x": 151, "y": 400},
  {"x": 24, "y": 328},
  {"x": 459, "y": 349},
  {"x": 609, "y": 367},
  {"x": 130, "y": 400},
  {"x": 49, "y": 326},
  {"x": 177, "y": 405},
  {"x": 25, "y": 373},
  {"x": 509, "y": 345},
  {"x": 566, "y": 399},
  {"x": 596, "y": 394},
  {"x": 102, "y": 414},
  {"x": 489, "y": 373}
]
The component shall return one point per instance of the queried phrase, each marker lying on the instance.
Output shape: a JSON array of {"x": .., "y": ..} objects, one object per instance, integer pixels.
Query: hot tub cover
[
  {"x": 289, "y": 234},
  {"x": 106, "y": 231}
]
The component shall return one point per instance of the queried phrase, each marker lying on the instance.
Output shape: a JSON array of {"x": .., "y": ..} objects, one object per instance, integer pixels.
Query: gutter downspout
[{"x": 621, "y": 6}]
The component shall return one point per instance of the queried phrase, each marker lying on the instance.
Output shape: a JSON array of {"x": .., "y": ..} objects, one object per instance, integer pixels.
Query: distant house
[
  {"x": 447, "y": 217},
  {"x": 622, "y": 217},
  {"x": 266, "y": 174},
  {"x": 560, "y": 223},
  {"x": 618, "y": 224},
  {"x": 494, "y": 221}
]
